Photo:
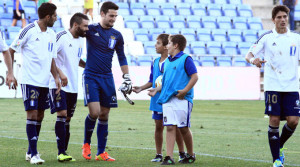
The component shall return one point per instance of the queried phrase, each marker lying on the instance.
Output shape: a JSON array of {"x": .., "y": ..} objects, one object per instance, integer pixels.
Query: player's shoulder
[
  {"x": 60, "y": 35},
  {"x": 264, "y": 36},
  {"x": 295, "y": 33},
  {"x": 26, "y": 30}
]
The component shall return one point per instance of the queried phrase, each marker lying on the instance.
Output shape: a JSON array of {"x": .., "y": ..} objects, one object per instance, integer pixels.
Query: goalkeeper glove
[{"x": 126, "y": 86}]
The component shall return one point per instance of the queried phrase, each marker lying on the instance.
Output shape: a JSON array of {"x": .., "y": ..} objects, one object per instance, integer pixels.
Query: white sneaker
[
  {"x": 36, "y": 160},
  {"x": 27, "y": 157}
]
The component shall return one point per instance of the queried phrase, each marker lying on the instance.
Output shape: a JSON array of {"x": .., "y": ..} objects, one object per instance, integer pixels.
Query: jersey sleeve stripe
[
  {"x": 268, "y": 32},
  {"x": 25, "y": 30},
  {"x": 60, "y": 34}
]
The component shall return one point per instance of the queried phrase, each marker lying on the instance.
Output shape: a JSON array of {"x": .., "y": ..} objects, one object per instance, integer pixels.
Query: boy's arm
[
  {"x": 188, "y": 87},
  {"x": 152, "y": 92},
  {"x": 138, "y": 89}
]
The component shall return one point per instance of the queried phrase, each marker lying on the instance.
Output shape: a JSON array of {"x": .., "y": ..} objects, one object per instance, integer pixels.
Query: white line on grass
[{"x": 145, "y": 148}]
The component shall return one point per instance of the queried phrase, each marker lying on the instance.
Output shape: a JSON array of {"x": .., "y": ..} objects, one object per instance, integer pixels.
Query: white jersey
[
  {"x": 37, "y": 48},
  {"x": 69, "y": 50},
  {"x": 281, "y": 51},
  {"x": 3, "y": 45}
]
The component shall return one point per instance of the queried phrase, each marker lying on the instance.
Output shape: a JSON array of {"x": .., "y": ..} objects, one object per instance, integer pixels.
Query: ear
[{"x": 102, "y": 14}]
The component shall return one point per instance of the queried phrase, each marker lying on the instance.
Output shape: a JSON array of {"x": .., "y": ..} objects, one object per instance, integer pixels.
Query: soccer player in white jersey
[
  {"x": 10, "y": 79},
  {"x": 69, "y": 50},
  {"x": 37, "y": 44},
  {"x": 280, "y": 49}
]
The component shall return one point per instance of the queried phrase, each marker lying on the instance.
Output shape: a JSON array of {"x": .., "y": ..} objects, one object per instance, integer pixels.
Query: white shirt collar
[
  {"x": 38, "y": 28},
  {"x": 288, "y": 33}
]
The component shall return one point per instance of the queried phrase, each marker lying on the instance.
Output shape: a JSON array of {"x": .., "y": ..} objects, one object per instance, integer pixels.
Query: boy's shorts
[{"x": 177, "y": 112}]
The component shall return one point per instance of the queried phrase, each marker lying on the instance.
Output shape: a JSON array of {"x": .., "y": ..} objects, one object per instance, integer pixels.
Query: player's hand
[
  {"x": 58, "y": 85},
  {"x": 126, "y": 86},
  {"x": 18, "y": 13},
  {"x": 64, "y": 79},
  {"x": 152, "y": 92},
  {"x": 258, "y": 63},
  {"x": 11, "y": 81},
  {"x": 137, "y": 89},
  {"x": 181, "y": 94}
]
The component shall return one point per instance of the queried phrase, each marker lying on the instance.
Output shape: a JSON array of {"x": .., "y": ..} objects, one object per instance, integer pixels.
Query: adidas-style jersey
[
  {"x": 69, "y": 50},
  {"x": 101, "y": 45},
  {"x": 3, "y": 45},
  {"x": 281, "y": 51},
  {"x": 37, "y": 48}
]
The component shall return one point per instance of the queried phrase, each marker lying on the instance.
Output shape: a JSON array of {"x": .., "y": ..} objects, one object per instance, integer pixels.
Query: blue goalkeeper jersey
[{"x": 101, "y": 45}]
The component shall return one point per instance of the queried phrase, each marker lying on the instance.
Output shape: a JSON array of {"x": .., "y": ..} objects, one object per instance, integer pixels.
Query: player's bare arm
[
  {"x": 55, "y": 76},
  {"x": 188, "y": 87},
  {"x": 82, "y": 63},
  {"x": 63, "y": 77},
  {"x": 255, "y": 61}
]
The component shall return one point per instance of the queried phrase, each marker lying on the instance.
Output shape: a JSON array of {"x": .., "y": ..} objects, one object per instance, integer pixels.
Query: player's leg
[
  {"x": 31, "y": 96},
  {"x": 273, "y": 109},
  {"x": 71, "y": 106},
  {"x": 91, "y": 99},
  {"x": 85, "y": 11},
  {"x": 23, "y": 18},
  {"x": 291, "y": 111},
  {"x": 158, "y": 136},
  {"x": 91, "y": 12},
  {"x": 107, "y": 100},
  {"x": 180, "y": 144}
]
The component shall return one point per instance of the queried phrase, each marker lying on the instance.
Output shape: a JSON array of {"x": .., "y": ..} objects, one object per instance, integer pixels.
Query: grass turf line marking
[{"x": 202, "y": 154}]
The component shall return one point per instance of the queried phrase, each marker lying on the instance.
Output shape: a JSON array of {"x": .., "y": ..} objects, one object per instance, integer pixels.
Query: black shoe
[
  {"x": 158, "y": 158},
  {"x": 189, "y": 159},
  {"x": 181, "y": 156},
  {"x": 168, "y": 161}
]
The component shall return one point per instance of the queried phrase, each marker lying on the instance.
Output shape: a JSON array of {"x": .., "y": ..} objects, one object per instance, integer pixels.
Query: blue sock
[
  {"x": 88, "y": 129},
  {"x": 273, "y": 135},
  {"x": 286, "y": 133},
  {"x": 102, "y": 132},
  {"x": 38, "y": 128},
  {"x": 67, "y": 125},
  {"x": 32, "y": 136},
  {"x": 60, "y": 132}
]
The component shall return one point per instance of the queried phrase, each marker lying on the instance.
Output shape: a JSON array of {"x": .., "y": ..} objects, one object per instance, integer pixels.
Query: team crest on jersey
[
  {"x": 293, "y": 50},
  {"x": 112, "y": 42},
  {"x": 50, "y": 46},
  {"x": 17, "y": 44}
]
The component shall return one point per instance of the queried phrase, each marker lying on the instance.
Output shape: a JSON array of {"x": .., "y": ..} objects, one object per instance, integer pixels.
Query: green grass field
[{"x": 226, "y": 133}]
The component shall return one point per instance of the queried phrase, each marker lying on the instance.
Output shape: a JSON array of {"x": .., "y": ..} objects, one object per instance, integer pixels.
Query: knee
[
  {"x": 293, "y": 124},
  {"x": 274, "y": 121},
  {"x": 171, "y": 128},
  {"x": 159, "y": 128},
  {"x": 94, "y": 115}
]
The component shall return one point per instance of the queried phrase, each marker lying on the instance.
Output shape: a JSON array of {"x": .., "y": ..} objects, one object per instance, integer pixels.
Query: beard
[{"x": 81, "y": 32}]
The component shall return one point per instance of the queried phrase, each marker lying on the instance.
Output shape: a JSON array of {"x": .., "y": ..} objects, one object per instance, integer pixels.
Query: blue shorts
[
  {"x": 157, "y": 115},
  {"x": 282, "y": 103},
  {"x": 63, "y": 101},
  {"x": 35, "y": 98},
  {"x": 99, "y": 89}
]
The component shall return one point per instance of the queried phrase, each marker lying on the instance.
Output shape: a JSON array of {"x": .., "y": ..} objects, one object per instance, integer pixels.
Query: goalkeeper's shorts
[{"x": 99, "y": 89}]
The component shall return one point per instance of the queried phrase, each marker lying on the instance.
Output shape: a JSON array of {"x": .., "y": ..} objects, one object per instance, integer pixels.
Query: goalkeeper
[
  {"x": 157, "y": 115},
  {"x": 98, "y": 82}
]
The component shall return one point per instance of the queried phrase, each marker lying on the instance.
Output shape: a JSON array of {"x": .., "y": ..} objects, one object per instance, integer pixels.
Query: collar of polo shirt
[{"x": 288, "y": 33}]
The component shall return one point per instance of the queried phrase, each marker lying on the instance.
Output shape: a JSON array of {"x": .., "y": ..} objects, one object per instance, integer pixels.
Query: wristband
[{"x": 252, "y": 60}]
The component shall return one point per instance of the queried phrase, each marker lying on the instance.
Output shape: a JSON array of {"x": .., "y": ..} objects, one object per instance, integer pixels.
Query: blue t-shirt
[
  {"x": 189, "y": 65},
  {"x": 101, "y": 45}
]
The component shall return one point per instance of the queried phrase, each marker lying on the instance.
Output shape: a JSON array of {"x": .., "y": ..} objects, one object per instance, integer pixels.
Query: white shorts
[{"x": 177, "y": 112}]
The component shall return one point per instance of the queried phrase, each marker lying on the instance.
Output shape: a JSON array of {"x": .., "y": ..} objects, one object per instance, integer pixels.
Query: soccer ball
[{"x": 158, "y": 81}]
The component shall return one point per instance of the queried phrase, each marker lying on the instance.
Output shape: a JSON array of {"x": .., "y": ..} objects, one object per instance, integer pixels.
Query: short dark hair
[
  {"x": 279, "y": 8},
  {"x": 108, "y": 5},
  {"x": 179, "y": 40},
  {"x": 77, "y": 18},
  {"x": 46, "y": 9},
  {"x": 164, "y": 38}
]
